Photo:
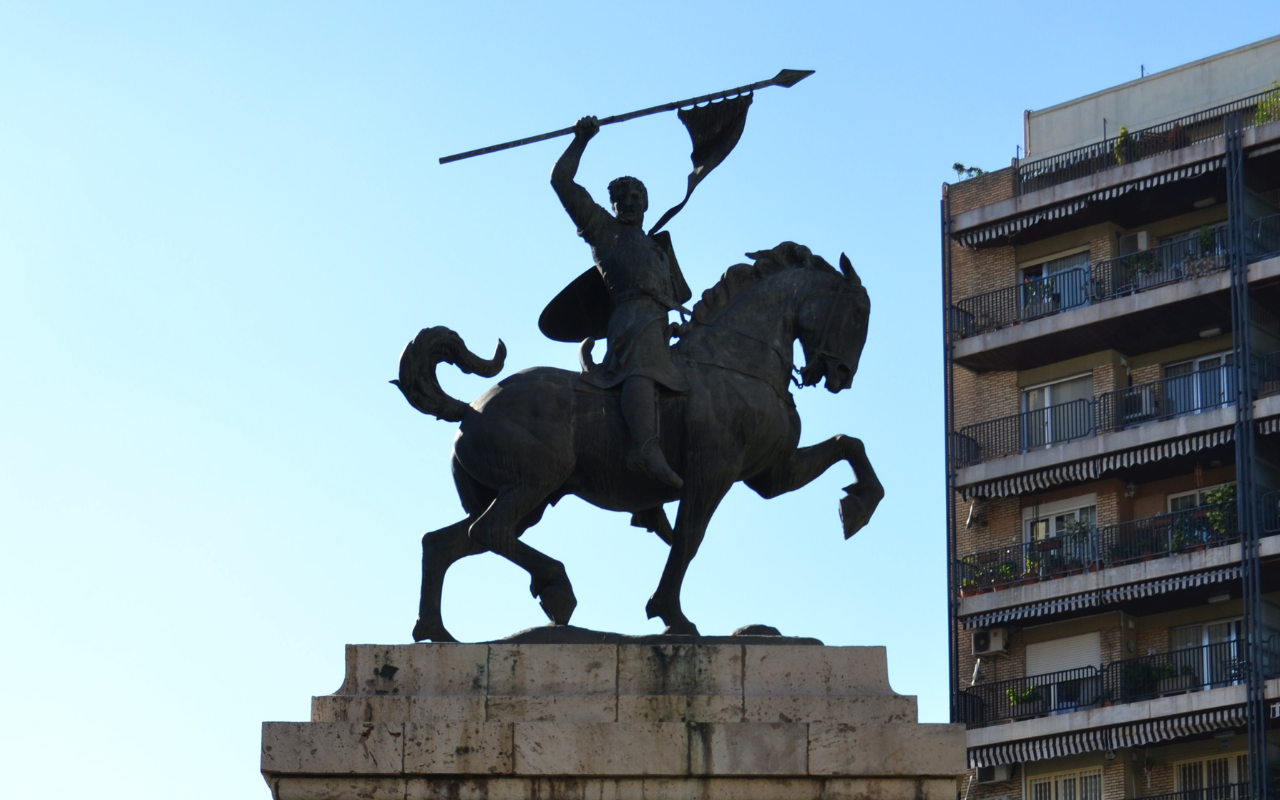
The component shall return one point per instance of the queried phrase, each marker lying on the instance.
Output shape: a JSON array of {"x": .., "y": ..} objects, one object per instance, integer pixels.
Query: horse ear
[{"x": 846, "y": 267}]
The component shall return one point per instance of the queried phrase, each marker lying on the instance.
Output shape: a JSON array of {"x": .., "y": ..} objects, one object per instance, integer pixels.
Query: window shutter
[{"x": 1072, "y": 652}]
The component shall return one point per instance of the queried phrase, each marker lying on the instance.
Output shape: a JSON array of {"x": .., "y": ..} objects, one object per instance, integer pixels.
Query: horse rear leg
[
  {"x": 498, "y": 529},
  {"x": 440, "y": 549},
  {"x": 703, "y": 491}
]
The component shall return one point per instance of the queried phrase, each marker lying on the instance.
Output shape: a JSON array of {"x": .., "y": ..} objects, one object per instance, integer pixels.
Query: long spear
[{"x": 786, "y": 79}]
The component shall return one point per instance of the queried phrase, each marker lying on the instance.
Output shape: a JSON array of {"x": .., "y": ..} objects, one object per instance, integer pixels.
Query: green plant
[
  {"x": 963, "y": 172},
  {"x": 1124, "y": 144},
  {"x": 1222, "y": 509},
  {"x": 1019, "y": 697},
  {"x": 1033, "y": 567},
  {"x": 1206, "y": 239},
  {"x": 1269, "y": 106},
  {"x": 1006, "y": 571}
]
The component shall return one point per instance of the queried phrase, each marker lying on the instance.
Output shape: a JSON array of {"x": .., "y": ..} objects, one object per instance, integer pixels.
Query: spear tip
[{"x": 790, "y": 77}]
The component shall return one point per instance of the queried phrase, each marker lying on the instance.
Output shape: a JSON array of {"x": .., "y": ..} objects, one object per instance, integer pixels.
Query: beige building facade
[{"x": 1112, "y": 317}]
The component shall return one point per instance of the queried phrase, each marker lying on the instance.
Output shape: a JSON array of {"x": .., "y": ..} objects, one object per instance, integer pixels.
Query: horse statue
[{"x": 541, "y": 434}]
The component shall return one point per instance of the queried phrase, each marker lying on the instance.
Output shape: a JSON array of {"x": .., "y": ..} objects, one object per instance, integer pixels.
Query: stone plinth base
[{"x": 613, "y": 722}]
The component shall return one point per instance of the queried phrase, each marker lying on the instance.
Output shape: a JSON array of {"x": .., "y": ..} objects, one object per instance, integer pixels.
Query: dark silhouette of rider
[{"x": 637, "y": 273}]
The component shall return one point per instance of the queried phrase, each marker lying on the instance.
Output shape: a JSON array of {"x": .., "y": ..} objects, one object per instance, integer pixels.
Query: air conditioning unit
[
  {"x": 993, "y": 641},
  {"x": 996, "y": 774}
]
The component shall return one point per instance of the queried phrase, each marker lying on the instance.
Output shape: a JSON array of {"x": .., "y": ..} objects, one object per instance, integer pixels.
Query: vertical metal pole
[
  {"x": 953, "y": 679},
  {"x": 1247, "y": 505}
]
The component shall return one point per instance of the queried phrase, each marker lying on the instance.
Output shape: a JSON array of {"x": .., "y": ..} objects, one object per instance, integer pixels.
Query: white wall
[{"x": 1157, "y": 98}]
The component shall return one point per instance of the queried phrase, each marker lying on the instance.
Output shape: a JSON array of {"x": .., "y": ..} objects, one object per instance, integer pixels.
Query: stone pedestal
[{"x": 613, "y": 722}]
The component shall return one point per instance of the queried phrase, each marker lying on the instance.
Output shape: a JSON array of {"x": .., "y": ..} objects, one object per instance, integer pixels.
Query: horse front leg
[
  {"x": 806, "y": 463},
  {"x": 698, "y": 502}
]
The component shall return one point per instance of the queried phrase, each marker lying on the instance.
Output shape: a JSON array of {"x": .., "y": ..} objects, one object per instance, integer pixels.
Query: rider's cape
[{"x": 582, "y": 309}]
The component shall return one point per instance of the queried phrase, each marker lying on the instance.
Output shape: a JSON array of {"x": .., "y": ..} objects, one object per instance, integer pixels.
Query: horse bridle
[{"x": 821, "y": 351}]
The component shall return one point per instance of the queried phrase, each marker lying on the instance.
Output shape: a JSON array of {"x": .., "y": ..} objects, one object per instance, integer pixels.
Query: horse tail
[{"x": 418, "y": 363}]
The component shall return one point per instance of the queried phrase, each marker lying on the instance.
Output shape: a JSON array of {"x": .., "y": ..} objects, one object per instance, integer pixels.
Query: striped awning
[
  {"x": 1100, "y": 597},
  {"x": 1094, "y": 468},
  {"x": 1011, "y": 225},
  {"x": 1269, "y": 426},
  {"x": 1133, "y": 735}
]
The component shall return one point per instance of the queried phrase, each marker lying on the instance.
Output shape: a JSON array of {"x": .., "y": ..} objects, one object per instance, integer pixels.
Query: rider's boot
[{"x": 639, "y": 404}]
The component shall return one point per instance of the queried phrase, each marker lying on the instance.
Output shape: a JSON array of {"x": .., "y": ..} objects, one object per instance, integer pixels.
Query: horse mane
[{"x": 786, "y": 256}]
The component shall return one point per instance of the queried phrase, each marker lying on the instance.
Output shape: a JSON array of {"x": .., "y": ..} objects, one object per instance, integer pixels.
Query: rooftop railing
[
  {"x": 1132, "y": 146},
  {"x": 1131, "y": 680},
  {"x": 1185, "y": 258}
]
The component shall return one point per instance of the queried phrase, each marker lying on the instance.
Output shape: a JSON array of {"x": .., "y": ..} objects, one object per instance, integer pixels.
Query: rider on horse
[{"x": 642, "y": 280}]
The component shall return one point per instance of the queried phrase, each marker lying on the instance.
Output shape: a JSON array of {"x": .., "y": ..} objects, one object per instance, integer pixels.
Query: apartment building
[{"x": 1112, "y": 320}]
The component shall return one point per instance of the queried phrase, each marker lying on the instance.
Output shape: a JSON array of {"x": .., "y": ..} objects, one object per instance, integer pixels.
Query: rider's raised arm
[{"x": 575, "y": 199}]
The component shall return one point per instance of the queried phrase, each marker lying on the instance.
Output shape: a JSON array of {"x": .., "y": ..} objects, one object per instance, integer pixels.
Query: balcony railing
[
  {"x": 1029, "y": 562},
  {"x": 1134, "y": 146},
  {"x": 1018, "y": 433},
  {"x": 1270, "y": 512},
  {"x": 1129, "y": 681},
  {"x": 1230, "y": 791},
  {"x": 1265, "y": 239},
  {"x": 1184, "y": 258},
  {"x": 1174, "y": 396},
  {"x": 1034, "y": 696},
  {"x": 1183, "y": 531},
  {"x": 1072, "y": 553}
]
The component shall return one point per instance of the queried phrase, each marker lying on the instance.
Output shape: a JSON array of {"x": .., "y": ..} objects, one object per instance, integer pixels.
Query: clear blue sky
[{"x": 220, "y": 223}]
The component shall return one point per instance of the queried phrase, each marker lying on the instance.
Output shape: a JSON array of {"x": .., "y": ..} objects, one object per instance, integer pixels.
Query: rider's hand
[{"x": 586, "y": 128}]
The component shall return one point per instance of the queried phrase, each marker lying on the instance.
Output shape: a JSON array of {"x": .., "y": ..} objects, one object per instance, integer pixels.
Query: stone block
[
  {"x": 830, "y": 708},
  {"x": 461, "y": 748},
  {"x": 431, "y": 708},
  {"x": 590, "y": 708},
  {"x": 680, "y": 708},
  {"x": 904, "y": 749},
  {"x": 781, "y": 670},
  {"x": 346, "y": 788},
  {"x": 359, "y": 708},
  {"x": 735, "y": 789},
  {"x": 679, "y": 669},
  {"x": 748, "y": 749},
  {"x": 337, "y": 748},
  {"x": 546, "y": 670},
  {"x": 889, "y": 789},
  {"x": 615, "y": 748},
  {"x": 433, "y": 669}
]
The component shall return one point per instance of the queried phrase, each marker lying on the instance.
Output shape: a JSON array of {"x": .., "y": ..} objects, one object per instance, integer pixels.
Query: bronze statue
[
  {"x": 644, "y": 283},
  {"x": 652, "y": 423}
]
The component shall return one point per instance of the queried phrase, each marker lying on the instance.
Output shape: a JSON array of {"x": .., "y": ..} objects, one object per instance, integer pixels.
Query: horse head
[{"x": 833, "y": 326}]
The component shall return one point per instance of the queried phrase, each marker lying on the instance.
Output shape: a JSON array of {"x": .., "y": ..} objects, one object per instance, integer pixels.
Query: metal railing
[
  {"x": 1132, "y": 146},
  {"x": 1230, "y": 791},
  {"x": 1185, "y": 258},
  {"x": 1018, "y": 433},
  {"x": 1037, "y": 695},
  {"x": 1270, "y": 512},
  {"x": 1194, "y": 669},
  {"x": 1264, "y": 241},
  {"x": 1132, "y": 680},
  {"x": 1183, "y": 531},
  {"x": 1027, "y": 562},
  {"x": 1174, "y": 396}
]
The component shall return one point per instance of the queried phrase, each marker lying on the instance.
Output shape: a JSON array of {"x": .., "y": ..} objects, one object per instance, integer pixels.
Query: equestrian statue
[{"x": 653, "y": 422}]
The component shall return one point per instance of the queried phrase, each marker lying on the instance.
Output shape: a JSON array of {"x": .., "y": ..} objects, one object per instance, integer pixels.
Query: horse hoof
[
  {"x": 434, "y": 631},
  {"x": 685, "y": 628},
  {"x": 855, "y": 512},
  {"x": 558, "y": 604}
]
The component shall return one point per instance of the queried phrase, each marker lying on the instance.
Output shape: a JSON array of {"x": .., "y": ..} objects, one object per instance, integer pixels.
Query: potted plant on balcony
[
  {"x": 1023, "y": 702},
  {"x": 1006, "y": 573},
  {"x": 968, "y": 587},
  {"x": 1222, "y": 513},
  {"x": 1207, "y": 260},
  {"x": 1174, "y": 679}
]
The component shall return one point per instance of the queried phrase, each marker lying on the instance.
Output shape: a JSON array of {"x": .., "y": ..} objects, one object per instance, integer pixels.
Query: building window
[
  {"x": 1199, "y": 384},
  {"x": 1085, "y": 785},
  {"x": 1216, "y": 775},
  {"x": 1193, "y": 499},
  {"x": 1055, "y": 285},
  {"x": 1209, "y": 653},
  {"x": 1061, "y": 533},
  {"x": 1057, "y": 412}
]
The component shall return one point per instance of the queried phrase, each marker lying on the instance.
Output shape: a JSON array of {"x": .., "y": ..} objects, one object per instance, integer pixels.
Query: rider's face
[{"x": 629, "y": 205}]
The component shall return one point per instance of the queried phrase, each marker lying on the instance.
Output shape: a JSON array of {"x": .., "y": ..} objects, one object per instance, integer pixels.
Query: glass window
[
  {"x": 1068, "y": 786},
  {"x": 1210, "y": 652},
  {"x": 1055, "y": 285},
  {"x": 1193, "y": 499},
  {"x": 1058, "y": 412},
  {"x": 1216, "y": 775},
  {"x": 1199, "y": 384}
]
